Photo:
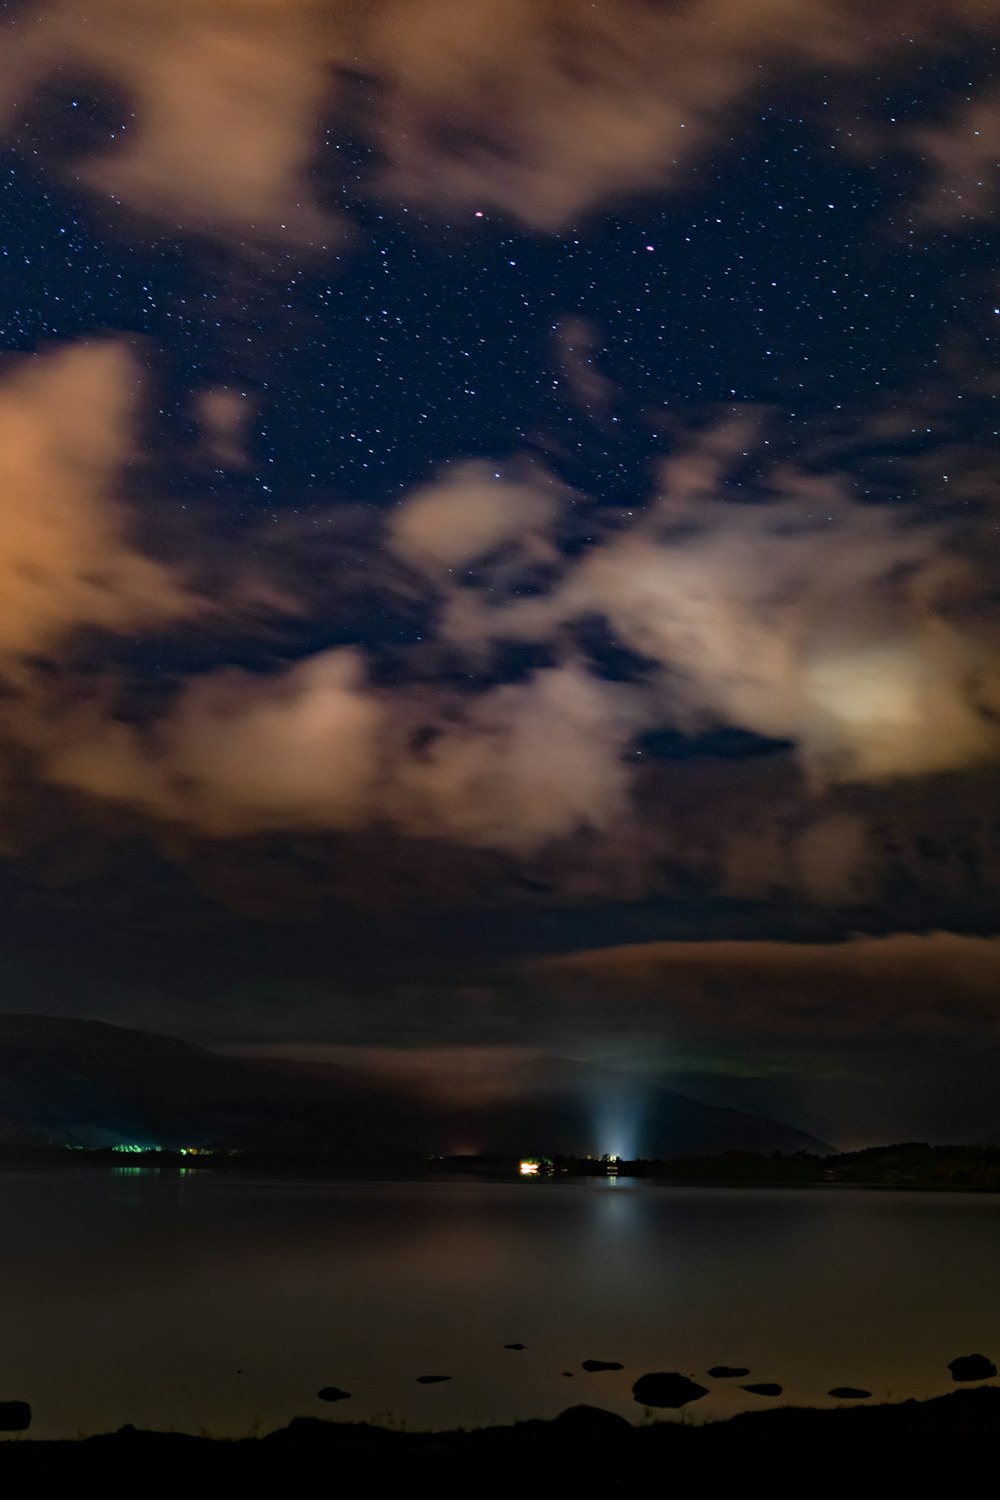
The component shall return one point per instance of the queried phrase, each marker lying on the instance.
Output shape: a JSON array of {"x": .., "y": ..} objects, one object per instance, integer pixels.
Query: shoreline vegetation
[
  {"x": 911, "y": 1165},
  {"x": 585, "y": 1445}
]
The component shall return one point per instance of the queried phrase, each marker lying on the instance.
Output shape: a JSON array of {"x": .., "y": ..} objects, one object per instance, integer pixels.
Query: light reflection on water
[{"x": 205, "y": 1300}]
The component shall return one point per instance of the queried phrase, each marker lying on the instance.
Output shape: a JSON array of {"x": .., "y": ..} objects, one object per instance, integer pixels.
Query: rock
[
  {"x": 601, "y": 1364},
  {"x": 727, "y": 1372},
  {"x": 515, "y": 1346},
  {"x": 663, "y": 1389},
  {"x": 333, "y": 1393},
  {"x": 15, "y": 1416},
  {"x": 849, "y": 1393},
  {"x": 766, "y": 1388},
  {"x": 972, "y": 1367},
  {"x": 431, "y": 1379},
  {"x": 593, "y": 1421}
]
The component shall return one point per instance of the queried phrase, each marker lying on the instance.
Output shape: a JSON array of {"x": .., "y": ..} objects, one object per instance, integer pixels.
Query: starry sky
[{"x": 500, "y": 548}]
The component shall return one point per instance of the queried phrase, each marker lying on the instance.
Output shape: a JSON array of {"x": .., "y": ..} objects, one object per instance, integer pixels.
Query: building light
[{"x": 529, "y": 1168}]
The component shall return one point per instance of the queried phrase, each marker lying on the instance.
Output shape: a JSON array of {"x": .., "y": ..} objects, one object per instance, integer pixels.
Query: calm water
[{"x": 208, "y": 1301}]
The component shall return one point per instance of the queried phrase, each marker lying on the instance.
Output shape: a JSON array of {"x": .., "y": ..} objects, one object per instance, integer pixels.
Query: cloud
[
  {"x": 466, "y": 1077},
  {"x": 541, "y": 109},
  {"x": 65, "y": 559},
  {"x": 847, "y": 630},
  {"x": 522, "y": 765},
  {"x": 576, "y": 344},
  {"x": 313, "y": 746},
  {"x": 239, "y": 751},
  {"x": 932, "y": 987},
  {"x": 538, "y": 109},
  {"x": 467, "y": 514},
  {"x": 227, "y": 100},
  {"x": 963, "y": 178},
  {"x": 223, "y": 415},
  {"x": 804, "y": 615}
]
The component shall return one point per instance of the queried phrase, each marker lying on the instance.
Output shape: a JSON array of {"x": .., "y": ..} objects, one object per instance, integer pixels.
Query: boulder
[
  {"x": 431, "y": 1379},
  {"x": 601, "y": 1364},
  {"x": 593, "y": 1421},
  {"x": 849, "y": 1393},
  {"x": 727, "y": 1372},
  {"x": 333, "y": 1393},
  {"x": 15, "y": 1416},
  {"x": 667, "y": 1389},
  {"x": 765, "y": 1388},
  {"x": 972, "y": 1367}
]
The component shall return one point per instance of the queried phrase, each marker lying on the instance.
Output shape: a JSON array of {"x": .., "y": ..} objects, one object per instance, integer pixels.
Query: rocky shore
[{"x": 585, "y": 1449}]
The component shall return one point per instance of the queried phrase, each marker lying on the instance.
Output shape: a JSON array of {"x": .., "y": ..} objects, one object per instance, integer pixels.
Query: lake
[{"x": 209, "y": 1301}]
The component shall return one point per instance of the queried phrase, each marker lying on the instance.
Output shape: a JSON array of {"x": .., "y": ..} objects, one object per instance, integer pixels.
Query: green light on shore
[{"x": 134, "y": 1150}]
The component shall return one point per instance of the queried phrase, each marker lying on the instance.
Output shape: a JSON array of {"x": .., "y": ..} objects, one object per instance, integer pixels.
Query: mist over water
[{"x": 210, "y": 1301}]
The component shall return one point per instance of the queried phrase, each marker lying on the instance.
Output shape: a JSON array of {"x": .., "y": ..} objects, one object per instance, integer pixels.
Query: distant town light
[{"x": 529, "y": 1168}]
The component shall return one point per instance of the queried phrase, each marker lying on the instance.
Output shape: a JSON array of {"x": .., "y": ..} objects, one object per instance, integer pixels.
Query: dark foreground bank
[{"x": 585, "y": 1449}]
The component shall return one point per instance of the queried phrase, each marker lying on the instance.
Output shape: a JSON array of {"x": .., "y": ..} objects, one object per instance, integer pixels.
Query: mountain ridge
[{"x": 90, "y": 1083}]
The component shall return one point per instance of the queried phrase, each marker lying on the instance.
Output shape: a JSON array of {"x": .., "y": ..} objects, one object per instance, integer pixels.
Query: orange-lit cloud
[
  {"x": 542, "y": 109},
  {"x": 458, "y": 1076},
  {"x": 467, "y": 514},
  {"x": 223, "y": 415},
  {"x": 961, "y": 156},
  {"x": 804, "y": 616},
  {"x": 936, "y": 986},
  {"x": 223, "y": 99},
  {"x": 522, "y": 766},
  {"x": 240, "y": 752},
  {"x": 538, "y": 109},
  {"x": 66, "y": 560},
  {"x": 850, "y": 631},
  {"x": 316, "y": 747}
]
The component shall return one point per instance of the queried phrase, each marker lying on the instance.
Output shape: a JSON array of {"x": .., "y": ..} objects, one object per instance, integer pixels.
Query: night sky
[{"x": 500, "y": 546}]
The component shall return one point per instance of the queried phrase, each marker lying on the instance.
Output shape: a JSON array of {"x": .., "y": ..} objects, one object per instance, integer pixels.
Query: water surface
[{"x": 207, "y": 1301}]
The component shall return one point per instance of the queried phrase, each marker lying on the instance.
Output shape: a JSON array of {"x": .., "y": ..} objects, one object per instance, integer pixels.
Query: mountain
[
  {"x": 564, "y": 1107},
  {"x": 85, "y": 1083},
  {"x": 89, "y": 1084}
]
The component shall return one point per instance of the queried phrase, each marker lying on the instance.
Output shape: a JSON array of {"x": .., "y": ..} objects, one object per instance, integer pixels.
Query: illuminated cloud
[
  {"x": 802, "y": 617},
  {"x": 539, "y": 109},
  {"x": 223, "y": 415},
  {"x": 467, "y": 514},
  {"x": 935, "y": 987},
  {"x": 963, "y": 178},
  {"x": 542, "y": 109},
  {"x": 226, "y": 97},
  {"x": 805, "y": 616},
  {"x": 522, "y": 765},
  {"x": 240, "y": 752},
  {"x": 315, "y": 747},
  {"x": 467, "y": 1077},
  {"x": 65, "y": 558},
  {"x": 576, "y": 346}
]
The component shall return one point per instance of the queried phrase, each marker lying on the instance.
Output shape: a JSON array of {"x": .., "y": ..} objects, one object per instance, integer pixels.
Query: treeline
[{"x": 907, "y": 1164}]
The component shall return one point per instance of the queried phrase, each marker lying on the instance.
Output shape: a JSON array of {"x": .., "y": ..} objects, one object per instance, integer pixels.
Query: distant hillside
[
  {"x": 85, "y": 1083},
  {"x": 570, "y": 1107},
  {"x": 89, "y": 1084}
]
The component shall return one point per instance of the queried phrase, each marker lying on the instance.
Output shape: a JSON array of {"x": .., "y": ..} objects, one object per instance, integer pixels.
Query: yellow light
[{"x": 529, "y": 1169}]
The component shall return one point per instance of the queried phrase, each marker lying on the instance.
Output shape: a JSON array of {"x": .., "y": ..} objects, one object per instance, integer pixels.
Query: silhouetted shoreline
[
  {"x": 915, "y": 1166},
  {"x": 583, "y": 1445}
]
